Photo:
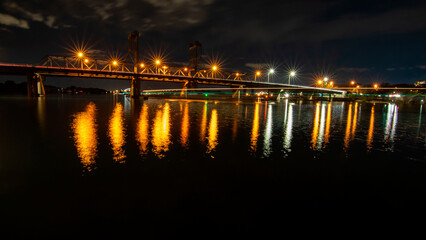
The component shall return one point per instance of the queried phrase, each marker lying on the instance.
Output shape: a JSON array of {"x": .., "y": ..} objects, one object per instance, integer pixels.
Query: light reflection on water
[
  {"x": 288, "y": 125},
  {"x": 370, "y": 130},
  {"x": 213, "y": 132},
  {"x": 156, "y": 124},
  {"x": 255, "y": 128},
  {"x": 85, "y": 136},
  {"x": 142, "y": 131},
  {"x": 185, "y": 127},
  {"x": 391, "y": 122},
  {"x": 161, "y": 131},
  {"x": 116, "y": 133}
]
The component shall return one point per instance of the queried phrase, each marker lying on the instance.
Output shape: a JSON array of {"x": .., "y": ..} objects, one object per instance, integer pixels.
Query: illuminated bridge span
[{"x": 133, "y": 70}]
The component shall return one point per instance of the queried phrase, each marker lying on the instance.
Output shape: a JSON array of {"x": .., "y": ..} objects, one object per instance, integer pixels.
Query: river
[{"x": 163, "y": 168}]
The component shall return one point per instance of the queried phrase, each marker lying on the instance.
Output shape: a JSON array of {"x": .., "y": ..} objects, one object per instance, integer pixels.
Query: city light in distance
[
  {"x": 352, "y": 82},
  {"x": 258, "y": 73},
  {"x": 271, "y": 70},
  {"x": 292, "y": 73}
]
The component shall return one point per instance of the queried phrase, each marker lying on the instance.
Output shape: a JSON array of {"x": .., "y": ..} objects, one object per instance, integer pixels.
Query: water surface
[{"x": 168, "y": 167}]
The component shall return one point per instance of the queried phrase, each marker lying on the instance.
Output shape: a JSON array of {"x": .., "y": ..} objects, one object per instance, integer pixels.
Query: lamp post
[
  {"x": 270, "y": 71},
  {"x": 257, "y": 74},
  {"x": 292, "y": 74},
  {"x": 80, "y": 55},
  {"x": 214, "y": 69},
  {"x": 157, "y": 62}
]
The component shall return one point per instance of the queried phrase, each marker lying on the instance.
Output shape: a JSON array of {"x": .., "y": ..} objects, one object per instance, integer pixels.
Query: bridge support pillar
[
  {"x": 135, "y": 88},
  {"x": 238, "y": 92},
  {"x": 40, "y": 79},
  {"x": 35, "y": 85}
]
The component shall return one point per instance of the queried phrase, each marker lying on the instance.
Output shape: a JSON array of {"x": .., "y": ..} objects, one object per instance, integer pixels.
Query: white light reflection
[
  {"x": 322, "y": 126},
  {"x": 391, "y": 122},
  {"x": 288, "y": 123},
  {"x": 268, "y": 133}
]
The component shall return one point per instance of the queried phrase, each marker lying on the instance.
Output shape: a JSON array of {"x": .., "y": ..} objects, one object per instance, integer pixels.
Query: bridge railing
[{"x": 82, "y": 63}]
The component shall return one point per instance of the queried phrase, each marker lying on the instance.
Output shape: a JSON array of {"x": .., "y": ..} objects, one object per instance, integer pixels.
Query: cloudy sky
[{"x": 380, "y": 41}]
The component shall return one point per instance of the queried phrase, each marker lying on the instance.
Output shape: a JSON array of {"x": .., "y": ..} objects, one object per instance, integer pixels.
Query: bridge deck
[{"x": 18, "y": 69}]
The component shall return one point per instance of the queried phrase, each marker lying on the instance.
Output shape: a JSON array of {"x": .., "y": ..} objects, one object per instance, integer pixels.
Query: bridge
[{"x": 131, "y": 69}]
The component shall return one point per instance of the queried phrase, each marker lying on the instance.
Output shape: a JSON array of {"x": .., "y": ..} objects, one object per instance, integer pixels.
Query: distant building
[{"x": 420, "y": 83}]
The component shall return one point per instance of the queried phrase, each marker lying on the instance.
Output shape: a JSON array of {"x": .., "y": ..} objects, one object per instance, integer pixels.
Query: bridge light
[
  {"x": 157, "y": 62},
  {"x": 142, "y": 65},
  {"x": 376, "y": 86},
  {"x": 258, "y": 73},
  {"x": 86, "y": 60},
  {"x": 271, "y": 70},
  {"x": 292, "y": 73},
  {"x": 237, "y": 74},
  {"x": 326, "y": 79},
  {"x": 352, "y": 82},
  {"x": 185, "y": 69},
  {"x": 80, "y": 54},
  {"x": 357, "y": 86},
  {"x": 319, "y": 81},
  {"x": 164, "y": 67},
  {"x": 114, "y": 63},
  {"x": 214, "y": 67}
]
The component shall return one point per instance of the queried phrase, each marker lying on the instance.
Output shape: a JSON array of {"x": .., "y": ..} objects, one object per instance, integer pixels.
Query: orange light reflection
[
  {"x": 85, "y": 136},
  {"x": 117, "y": 133}
]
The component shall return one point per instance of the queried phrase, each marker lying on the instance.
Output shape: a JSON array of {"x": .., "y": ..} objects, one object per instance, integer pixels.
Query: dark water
[{"x": 104, "y": 165}]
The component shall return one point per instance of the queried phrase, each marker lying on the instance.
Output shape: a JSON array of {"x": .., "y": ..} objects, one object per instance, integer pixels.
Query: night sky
[{"x": 368, "y": 41}]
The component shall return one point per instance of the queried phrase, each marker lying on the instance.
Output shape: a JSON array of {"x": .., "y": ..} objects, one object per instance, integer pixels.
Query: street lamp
[
  {"x": 157, "y": 62},
  {"x": 80, "y": 55},
  {"x": 292, "y": 74},
  {"x": 257, "y": 74},
  {"x": 214, "y": 69},
  {"x": 270, "y": 71}
]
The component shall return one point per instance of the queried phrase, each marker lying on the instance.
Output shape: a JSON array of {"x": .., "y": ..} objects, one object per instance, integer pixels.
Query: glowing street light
[
  {"x": 142, "y": 65},
  {"x": 80, "y": 54},
  {"x": 352, "y": 82},
  {"x": 319, "y": 82},
  {"x": 157, "y": 62},
  {"x": 114, "y": 63},
  {"x": 257, "y": 74},
  {"x": 269, "y": 72},
  {"x": 292, "y": 74},
  {"x": 325, "y": 79},
  {"x": 376, "y": 86},
  {"x": 214, "y": 68},
  {"x": 86, "y": 60}
]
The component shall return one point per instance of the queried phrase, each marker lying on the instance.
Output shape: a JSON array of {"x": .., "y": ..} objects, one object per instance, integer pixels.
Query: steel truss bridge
[{"x": 134, "y": 71}]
